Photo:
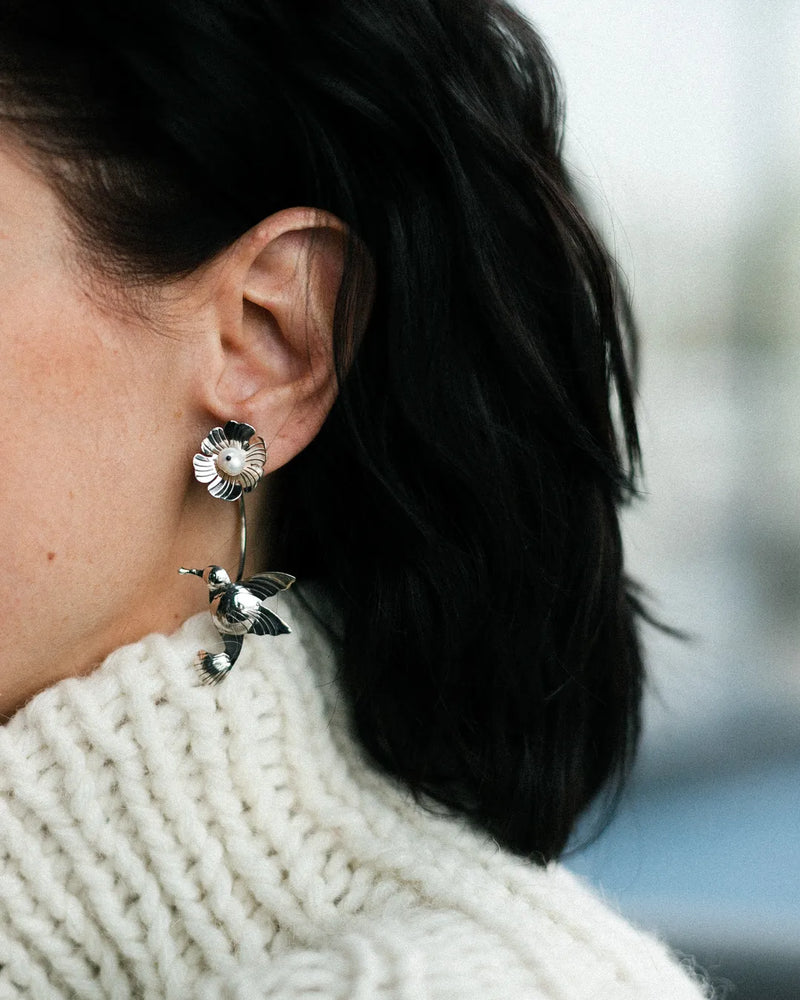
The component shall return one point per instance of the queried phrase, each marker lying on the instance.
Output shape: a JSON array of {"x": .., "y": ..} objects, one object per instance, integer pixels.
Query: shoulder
[
  {"x": 444, "y": 913},
  {"x": 425, "y": 953}
]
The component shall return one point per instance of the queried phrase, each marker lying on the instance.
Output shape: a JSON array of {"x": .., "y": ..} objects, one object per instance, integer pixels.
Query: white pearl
[{"x": 231, "y": 461}]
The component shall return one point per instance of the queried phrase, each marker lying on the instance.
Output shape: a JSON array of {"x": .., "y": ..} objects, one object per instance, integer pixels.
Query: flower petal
[
  {"x": 225, "y": 489},
  {"x": 214, "y": 442},
  {"x": 258, "y": 451},
  {"x": 249, "y": 478},
  {"x": 215, "y": 484},
  {"x": 239, "y": 432},
  {"x": 204, "y": 468}
]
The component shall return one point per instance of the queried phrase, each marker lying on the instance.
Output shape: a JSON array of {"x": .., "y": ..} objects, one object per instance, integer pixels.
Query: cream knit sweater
[{"x": 160, "y": 839}]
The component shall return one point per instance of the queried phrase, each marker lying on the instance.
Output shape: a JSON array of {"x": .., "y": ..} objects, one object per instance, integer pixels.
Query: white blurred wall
[{"x": 683, "y": 124}]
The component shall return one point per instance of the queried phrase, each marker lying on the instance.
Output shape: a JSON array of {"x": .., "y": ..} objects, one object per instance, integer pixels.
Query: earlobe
[{"x": 275, "y": 304}]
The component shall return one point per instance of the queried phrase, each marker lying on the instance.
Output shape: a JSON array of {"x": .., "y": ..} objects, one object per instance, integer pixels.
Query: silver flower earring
[{"x": 231, "y": 463}]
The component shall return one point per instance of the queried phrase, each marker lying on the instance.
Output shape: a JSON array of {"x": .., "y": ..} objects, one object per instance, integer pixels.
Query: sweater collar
[{"x": 162, "y": 665}]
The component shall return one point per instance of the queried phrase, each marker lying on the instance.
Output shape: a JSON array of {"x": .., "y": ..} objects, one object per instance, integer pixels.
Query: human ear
[{"x": 273, "y": 297}]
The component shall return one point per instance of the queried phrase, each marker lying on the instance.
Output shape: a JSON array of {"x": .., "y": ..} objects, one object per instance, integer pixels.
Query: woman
[{"x": 335, "y": 243}]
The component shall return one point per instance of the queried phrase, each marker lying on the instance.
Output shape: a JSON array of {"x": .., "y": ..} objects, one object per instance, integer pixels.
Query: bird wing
[
  {"x": 266, "y": 622},
  {"x": 264, "y": 585},
  {"x": 235, "y": 615}
]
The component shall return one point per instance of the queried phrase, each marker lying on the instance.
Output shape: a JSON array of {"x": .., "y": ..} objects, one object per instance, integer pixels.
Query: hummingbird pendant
[{"x": 237, "y": 610}]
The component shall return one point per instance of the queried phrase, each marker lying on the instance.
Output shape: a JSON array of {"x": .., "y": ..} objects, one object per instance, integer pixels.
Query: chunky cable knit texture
[{"x": 159, "y": 839}]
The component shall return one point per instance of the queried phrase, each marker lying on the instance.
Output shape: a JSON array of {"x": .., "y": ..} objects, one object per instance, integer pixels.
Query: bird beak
[{"x": 194, "y": 572}]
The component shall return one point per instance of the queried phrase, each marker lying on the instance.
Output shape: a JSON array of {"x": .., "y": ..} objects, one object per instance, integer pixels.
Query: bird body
[
  {"x": 234, "y": 609},
  {"x": 237, "y": 610}
]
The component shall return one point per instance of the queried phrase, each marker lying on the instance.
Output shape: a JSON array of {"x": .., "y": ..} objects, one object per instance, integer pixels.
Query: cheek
[
  {"x": 87, "y": 459},
  {"x": 58, "y": 419},
  {"x": 93, "y": 482}
]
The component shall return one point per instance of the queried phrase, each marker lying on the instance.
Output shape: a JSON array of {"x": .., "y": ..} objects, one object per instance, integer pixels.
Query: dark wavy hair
[{"x": 461, "y": 501}]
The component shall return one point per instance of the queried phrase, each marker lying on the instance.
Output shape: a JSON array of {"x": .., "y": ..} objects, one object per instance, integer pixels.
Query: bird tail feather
[{"x": 212, "y": 667}]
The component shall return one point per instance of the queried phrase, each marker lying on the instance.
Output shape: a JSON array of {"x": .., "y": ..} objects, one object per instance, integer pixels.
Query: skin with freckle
[{"x": 99, "y": 416}]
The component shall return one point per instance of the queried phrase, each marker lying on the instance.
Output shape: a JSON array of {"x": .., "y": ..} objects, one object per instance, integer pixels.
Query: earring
[{"x": 231, "y": 463}]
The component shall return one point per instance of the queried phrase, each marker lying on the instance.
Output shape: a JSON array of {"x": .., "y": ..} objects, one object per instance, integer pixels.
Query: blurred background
[{"x": 683, "y": 129}]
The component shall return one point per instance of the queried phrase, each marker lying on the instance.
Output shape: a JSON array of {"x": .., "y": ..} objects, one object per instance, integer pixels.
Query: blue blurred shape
[{"x": 711, "y": 862}]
